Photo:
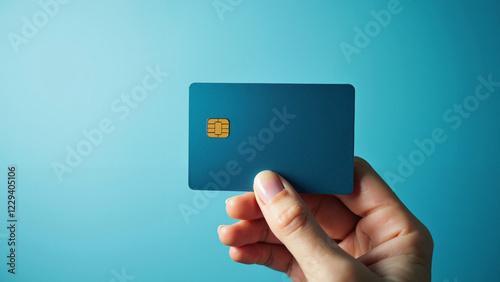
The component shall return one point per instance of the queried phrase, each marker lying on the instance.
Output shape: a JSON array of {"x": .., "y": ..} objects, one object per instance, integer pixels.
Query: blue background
[{"x": 119, "y": 209}]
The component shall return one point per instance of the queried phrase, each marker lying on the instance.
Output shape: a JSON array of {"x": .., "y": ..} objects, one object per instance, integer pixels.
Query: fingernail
[
  {"x": 267, "y": 185},
  {"x": 227, "y": 200},
  {"x": 219, "y": 228}
]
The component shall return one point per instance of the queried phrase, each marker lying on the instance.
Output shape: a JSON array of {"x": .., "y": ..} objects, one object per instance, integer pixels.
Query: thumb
[{"x": 293, "y": 224}]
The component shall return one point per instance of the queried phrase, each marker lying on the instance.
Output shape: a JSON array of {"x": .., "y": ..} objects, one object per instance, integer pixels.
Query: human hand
[{"x": 368, "y": 235}]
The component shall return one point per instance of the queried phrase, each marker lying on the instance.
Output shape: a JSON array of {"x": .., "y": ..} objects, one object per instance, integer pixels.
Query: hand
[{"x": 368, "y": 235}]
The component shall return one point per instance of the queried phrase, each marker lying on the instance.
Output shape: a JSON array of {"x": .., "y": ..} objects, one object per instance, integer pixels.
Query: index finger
[
  {"x": 370, "y": 191},
  {"x": 243, "y": 207}
]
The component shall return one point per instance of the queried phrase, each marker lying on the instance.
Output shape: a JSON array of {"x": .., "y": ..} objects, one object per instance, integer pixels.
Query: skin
[{"x": 368, "y": 235}]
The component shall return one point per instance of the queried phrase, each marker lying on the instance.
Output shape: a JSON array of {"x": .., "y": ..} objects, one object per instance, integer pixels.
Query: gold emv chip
[{"x": 218, "y": 128}]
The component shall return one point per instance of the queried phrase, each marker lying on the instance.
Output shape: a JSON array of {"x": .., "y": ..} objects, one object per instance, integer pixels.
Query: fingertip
[
  {"x": 224, "y": 234},
  {"x": 263, "y": 172},
  {"x": 234, "y": 205},
  {"x": 230, "y": 208},
  {"x": 267, "y": 185},
  {"x": 247, "y": 254},
  {"x": 243, "y": 207},
  {"x": 264, "y": 176},
  {"x": 237, "y": 254}
]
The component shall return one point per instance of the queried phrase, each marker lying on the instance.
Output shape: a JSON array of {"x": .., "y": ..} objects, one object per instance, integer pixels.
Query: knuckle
[
  {"x": 291, "y": 219},
  {"x": 267, "y": 256},
  {"x": 264, "y": 233}
]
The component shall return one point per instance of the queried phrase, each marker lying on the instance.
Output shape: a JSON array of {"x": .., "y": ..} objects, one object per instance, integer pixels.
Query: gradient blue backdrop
[{"x": 119, "y": 210}]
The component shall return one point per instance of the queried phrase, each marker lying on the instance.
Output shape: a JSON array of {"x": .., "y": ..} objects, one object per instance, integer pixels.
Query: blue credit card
[{"x": 304, "y": 132}]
